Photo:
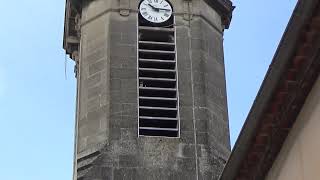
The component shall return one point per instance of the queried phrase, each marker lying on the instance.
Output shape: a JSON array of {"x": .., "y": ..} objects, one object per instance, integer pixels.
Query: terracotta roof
[{"x": 290, "y": 77}]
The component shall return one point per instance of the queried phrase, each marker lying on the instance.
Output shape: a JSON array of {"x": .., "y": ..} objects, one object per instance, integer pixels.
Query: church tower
[{"x": 151, "y": 90}]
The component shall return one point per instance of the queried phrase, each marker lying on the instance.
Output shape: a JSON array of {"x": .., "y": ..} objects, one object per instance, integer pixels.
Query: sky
[{"x": 37, "y": 84}]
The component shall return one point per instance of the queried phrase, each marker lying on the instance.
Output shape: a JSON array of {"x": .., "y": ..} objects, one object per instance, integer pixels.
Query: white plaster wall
[{"x": 299, "y": 158}]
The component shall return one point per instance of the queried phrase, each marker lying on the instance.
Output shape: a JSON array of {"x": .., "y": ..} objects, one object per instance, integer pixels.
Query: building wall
[
  {"x": 299, "y": 157},
  {"x": 107, "y": 143}
]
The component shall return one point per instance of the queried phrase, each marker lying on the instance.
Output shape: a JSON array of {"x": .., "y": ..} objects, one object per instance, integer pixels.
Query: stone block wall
[{"x": 108, "y": 146}]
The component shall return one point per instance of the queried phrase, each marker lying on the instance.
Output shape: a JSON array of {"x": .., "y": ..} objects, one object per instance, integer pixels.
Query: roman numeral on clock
[{"x": 155, "y": 11}]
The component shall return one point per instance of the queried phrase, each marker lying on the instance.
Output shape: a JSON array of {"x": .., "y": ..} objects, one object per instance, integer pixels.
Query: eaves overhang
[{"x": 290, "y": 77}]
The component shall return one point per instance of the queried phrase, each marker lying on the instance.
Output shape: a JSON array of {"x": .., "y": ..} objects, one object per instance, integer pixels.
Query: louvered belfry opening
[{"x": 157, "y": 74}]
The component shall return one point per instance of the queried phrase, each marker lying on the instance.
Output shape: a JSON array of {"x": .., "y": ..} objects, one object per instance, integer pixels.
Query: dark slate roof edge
[{"x": 277, "y": 67}]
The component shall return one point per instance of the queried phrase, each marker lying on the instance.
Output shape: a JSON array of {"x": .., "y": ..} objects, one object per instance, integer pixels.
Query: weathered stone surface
[{"x": 108, "y": 112}]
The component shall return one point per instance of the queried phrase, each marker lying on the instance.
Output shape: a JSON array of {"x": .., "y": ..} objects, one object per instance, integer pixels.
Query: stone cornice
[
  {"x": 224, "y": 8},
  {"x": 71, "y": 38}
]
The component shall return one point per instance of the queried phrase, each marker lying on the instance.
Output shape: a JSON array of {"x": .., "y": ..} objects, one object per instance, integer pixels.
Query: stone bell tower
[{"x": 151, "y": 90}]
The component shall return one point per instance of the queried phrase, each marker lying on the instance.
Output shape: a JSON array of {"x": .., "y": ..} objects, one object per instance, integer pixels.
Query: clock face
[{"x": 156, "y": 11}]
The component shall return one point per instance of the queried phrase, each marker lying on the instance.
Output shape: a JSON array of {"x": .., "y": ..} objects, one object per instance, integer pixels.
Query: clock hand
[
  {"x": 163, "y": 9},
  {"x": 157, "y": 9},
  {"x": 154, "y": 8}
]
